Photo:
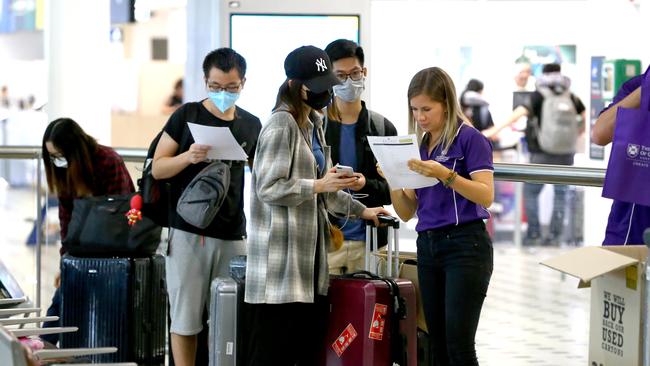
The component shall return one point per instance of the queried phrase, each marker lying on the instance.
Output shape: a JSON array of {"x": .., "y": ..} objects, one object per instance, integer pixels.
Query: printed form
[
  {"x": 223, "y": 145},
  {"x": 393, "y": 154}
]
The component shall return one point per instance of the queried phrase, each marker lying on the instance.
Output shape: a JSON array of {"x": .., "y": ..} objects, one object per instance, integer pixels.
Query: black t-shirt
[{"x": 230, "y": 222}]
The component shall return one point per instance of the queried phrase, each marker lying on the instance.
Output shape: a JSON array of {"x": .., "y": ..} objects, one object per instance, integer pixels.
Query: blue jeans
[
  {"x": 531, "y": 192},
  {"x": 531, "y": 207},
  {"x": 454, "y": 269}
]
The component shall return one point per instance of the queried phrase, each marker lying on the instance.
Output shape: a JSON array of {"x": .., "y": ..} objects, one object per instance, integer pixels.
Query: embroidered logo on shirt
[{"x": 442, "y": 158}]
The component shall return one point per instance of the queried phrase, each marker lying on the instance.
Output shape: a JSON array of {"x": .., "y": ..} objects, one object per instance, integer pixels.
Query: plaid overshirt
[{"x": 288, "y": 220}]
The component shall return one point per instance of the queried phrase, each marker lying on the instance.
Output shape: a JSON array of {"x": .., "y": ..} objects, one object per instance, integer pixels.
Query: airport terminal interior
[{"x": 121, "y": 69}]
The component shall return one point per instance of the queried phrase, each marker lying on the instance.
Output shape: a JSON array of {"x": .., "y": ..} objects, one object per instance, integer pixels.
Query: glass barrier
[{"x": 519, "y": 283}]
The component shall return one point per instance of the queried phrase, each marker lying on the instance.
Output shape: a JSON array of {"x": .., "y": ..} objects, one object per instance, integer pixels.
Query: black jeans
[
  {"x": 454, "y": 270},
  {"x": 286, "y": 334}
]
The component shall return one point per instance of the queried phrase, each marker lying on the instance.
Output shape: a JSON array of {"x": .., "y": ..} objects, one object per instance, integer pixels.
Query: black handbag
[{"x": 98, "y": 227}]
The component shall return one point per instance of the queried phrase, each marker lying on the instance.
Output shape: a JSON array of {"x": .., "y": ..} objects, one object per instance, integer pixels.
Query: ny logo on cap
[{"x": 320, "y": 65}]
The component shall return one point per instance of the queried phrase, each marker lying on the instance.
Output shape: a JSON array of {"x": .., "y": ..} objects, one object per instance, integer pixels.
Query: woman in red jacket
[{"x": 77, "y": 166}]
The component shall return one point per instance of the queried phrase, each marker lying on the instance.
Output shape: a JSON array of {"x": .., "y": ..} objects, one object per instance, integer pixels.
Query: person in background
[
  {"x": 349, "y": 123},
  {"x": 454, "y": 251},
  {"x": 627, "y": 221},
  {"x": 474, "y": 106},
  {"x": 77, "y": 166},
  {"x": 523, "y": 77},
  {"x": 5, "y": 101},
  {"x": 175, "y": 100},
  {"x": 293, "y": 188},
  {"x": 551, "y": 81},
  {"x": 197, "y": 256}
]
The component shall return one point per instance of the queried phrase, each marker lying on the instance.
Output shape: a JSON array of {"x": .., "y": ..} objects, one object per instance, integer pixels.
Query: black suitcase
[{"x": 115, "y": 302}]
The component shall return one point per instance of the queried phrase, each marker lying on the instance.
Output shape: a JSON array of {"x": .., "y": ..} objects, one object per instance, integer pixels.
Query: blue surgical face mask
[
  {"x": 60, "y": 162},
  {"x": 223, "y": 100},
  {"x": 350, "y": 90}
]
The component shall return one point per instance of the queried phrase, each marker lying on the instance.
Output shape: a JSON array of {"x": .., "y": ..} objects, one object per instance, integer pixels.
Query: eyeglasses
[
  {"x": 214, "y": 87},
  {"x": 355, "y": 75}
]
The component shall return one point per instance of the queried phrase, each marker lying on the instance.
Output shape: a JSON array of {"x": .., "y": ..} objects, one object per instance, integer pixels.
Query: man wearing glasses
[
  {"x": 196, "y": 256},
  {"x": 348, "y": 123}
]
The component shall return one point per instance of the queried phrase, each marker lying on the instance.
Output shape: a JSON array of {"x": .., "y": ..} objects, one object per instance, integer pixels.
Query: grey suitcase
[{"x": 226, "y": 313}]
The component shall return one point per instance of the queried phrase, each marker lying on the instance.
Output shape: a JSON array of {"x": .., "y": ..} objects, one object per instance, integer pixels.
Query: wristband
[{"x": 450, "y": 178}]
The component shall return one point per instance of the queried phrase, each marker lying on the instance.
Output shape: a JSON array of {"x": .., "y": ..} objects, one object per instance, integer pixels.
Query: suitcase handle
[
  {"x": 361, "y": 274},
  {"x": 392, "y": 246},
  {"x": 385, "y": 220}
]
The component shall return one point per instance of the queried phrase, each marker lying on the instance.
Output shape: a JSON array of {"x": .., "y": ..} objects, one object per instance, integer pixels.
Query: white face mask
[
  {"x": 350, "y": 90},
  {"x": 60, "y": 162}
]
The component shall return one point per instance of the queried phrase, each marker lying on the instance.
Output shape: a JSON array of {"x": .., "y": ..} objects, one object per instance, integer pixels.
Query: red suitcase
[{"x": 364, "y": 310}]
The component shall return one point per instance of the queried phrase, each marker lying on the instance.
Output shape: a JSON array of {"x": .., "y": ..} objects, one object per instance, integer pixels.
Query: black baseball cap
[{"x": 312, "y": 66}]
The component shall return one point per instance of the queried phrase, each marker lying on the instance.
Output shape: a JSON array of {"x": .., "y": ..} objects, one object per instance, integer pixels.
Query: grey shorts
[{"x": 192, "y": 263}]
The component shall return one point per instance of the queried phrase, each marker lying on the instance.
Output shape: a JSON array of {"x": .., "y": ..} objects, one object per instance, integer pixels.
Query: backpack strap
[
  {"x": 191, "y": 115},
  {"x": 377, "y": 121}
]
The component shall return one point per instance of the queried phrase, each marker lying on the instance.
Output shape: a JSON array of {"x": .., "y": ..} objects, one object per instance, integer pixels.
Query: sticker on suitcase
[
  {"x": 343, "y": 341},
  {"x": 378, "y": 322}
]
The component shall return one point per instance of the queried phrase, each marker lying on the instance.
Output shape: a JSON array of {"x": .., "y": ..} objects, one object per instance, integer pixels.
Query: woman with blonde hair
[{"x": 454, "y": 250}]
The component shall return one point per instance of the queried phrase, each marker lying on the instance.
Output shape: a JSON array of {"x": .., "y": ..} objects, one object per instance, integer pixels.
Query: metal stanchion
[
  {"x": 39, "y": 229},
  {"x": 645, "y": 302},
  {"x": 519, "y": 198}
]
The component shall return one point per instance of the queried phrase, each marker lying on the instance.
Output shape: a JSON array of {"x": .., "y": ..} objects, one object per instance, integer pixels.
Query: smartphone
[{"x": 348, "y": 171}]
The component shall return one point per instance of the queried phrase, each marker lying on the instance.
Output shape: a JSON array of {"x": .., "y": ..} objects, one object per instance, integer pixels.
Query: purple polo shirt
[
  {"x": 627, "y": 221},
  {"x": 438, "y": 206}
]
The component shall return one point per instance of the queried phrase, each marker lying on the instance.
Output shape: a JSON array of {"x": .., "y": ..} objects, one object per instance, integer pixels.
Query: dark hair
[
  {"x": 344, "y": 48},
  {"x": 78, "y": 148},
  {"x": 178, "y": 84},
  {"x": 548, "y": 68},
  {"x": 474, "y": 85},
  {"x": 224, "y": 59},
  {"x": 290, "y": 94}
]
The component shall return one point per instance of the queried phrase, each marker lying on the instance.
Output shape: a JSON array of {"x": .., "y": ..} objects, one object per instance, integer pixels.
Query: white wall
[
  {"x": 21, "y": 46},
  {"x": 410, "y": 35}
]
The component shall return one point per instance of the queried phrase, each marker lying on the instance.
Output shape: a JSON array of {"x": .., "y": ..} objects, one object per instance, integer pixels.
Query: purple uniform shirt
[
  {"x": 439, "y": 206},
  {"x": 627, "y": 221}
]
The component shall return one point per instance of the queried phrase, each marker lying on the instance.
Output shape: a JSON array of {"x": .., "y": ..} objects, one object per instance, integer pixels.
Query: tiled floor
[{"x": 532, "y": 315}]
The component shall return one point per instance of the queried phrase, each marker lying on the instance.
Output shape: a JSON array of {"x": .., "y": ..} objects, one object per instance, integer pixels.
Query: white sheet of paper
[
  {"x": 223, "y": 145},
  {"x": 393, "y": 154}
]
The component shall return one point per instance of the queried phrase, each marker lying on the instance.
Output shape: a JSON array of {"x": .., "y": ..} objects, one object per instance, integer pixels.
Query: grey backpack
[
  {"x": 559, "y": 126},
  {"x": 202, "y": 198}
]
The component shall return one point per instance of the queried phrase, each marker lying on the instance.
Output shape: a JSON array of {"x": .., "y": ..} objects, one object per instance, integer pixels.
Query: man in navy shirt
[{"x": 349, "y": 123}]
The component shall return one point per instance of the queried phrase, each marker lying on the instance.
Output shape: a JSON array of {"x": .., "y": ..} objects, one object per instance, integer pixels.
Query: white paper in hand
[
  {"x": 393, "y": 154},
  {"x": 223, "y": 145}
]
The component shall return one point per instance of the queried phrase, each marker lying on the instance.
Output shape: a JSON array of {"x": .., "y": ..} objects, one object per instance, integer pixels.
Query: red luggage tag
[
  {"x": 343, "y": 341},
  {"x": 378, "y": 322}
]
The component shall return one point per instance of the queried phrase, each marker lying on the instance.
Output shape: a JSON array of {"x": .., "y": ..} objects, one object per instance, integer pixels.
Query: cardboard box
[
  {"x": 615, "y": 275},
  {"x": 408, "y": 271}
]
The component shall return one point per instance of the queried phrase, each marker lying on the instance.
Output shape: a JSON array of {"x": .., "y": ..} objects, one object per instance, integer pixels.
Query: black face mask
[{"x": 318, "y": 101}]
